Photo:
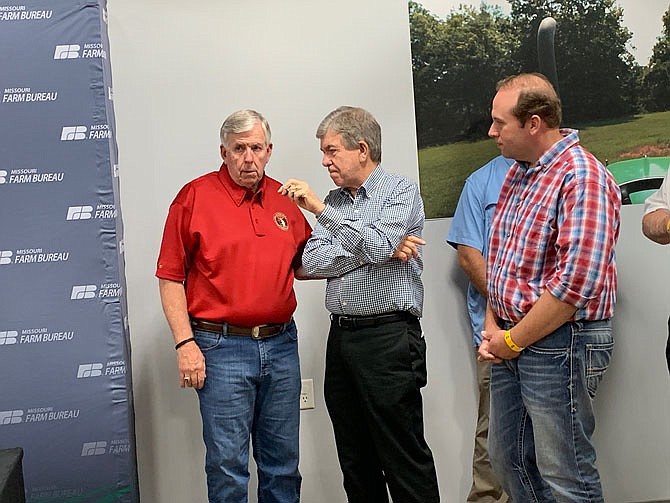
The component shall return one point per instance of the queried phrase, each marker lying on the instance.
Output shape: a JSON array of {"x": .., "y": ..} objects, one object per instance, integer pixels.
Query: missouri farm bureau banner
[{"x": 64, "y": 344}]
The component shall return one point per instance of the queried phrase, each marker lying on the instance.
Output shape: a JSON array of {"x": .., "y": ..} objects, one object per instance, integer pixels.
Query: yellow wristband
[
  {"x": 667, "y": 227},
  {"x": 510, "y": 342}
]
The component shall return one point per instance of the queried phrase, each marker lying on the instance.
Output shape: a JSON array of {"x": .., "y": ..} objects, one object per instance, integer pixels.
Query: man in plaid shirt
[{"x": 551, "y": 278}]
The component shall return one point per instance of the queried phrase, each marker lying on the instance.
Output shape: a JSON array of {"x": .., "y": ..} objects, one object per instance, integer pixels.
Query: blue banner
[{"x": 64, "y": 338}]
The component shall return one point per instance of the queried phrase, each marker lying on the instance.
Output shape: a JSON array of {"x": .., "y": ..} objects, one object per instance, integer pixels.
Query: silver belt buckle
[{"x": 255, "y": 332}]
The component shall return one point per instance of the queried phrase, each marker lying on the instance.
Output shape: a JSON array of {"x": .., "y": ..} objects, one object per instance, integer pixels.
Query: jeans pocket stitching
[{"x": 208, "y": 341}]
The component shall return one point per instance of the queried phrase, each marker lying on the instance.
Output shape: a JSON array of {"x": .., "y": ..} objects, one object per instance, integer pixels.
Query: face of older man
[
  {"x": 246, "y": 155},
  {"x": 344, "y": 166}
]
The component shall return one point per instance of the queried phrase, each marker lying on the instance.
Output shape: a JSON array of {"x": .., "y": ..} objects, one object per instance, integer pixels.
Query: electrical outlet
[{"x": 307, "y": 394}]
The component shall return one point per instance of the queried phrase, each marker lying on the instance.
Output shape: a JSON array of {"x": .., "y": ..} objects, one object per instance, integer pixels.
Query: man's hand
[
  {"x": 496, "y": 345},
  {"x": 302, "y": 195},
  {"x": 191, "y": 366},
  {"x": 408, "y": 248}
]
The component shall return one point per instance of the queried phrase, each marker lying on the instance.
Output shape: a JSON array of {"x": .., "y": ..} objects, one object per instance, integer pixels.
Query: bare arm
[
  {"x": 190, "y": 360},
  {"x": 473, "y": 264},
  {"x": 655, "y": 226}
]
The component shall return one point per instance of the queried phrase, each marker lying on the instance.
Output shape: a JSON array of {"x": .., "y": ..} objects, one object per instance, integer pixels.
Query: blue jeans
[
  {"x": 542, "y": 418},
  {"x": 252, "y": 390}
]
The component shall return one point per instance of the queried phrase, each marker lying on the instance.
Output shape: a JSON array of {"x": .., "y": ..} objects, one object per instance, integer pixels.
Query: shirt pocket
[{"x": 536, "y": 235}]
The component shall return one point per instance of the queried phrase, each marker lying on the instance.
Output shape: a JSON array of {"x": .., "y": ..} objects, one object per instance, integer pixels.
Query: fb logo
[
  {"x": 83, "y": 292},
  {"x": 5, "y": 257},
  {"x": 8, "y": 337},
  {"x": 79, "y": 212},
  {"x": 11, "y": 416},
  {"x": 70, "y": 51},
  {"x": 93, "y": 448},
  {"x": 73, "y": 133},
  {"x": 3, "y": 176},
  {"x": 89, "y": 370}
]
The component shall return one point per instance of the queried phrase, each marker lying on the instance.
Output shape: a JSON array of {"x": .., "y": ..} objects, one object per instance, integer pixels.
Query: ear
[
  {"x": 223, "y": 151},
  {"x": 363, "y": 151},
  {"x": 534, "y": 124},
  {"x": 269, "y": 150}
]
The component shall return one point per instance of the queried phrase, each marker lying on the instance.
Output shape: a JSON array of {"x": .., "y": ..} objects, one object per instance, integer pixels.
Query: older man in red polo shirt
[{"x": 231, "y": 249}]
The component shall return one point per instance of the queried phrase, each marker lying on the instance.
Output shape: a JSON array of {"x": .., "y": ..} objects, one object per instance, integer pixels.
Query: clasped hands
[{"x": 493, "y": 347}]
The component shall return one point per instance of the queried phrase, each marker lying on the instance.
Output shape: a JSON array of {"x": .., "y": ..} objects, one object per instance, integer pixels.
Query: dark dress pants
[{"x": 373, "y": 384}]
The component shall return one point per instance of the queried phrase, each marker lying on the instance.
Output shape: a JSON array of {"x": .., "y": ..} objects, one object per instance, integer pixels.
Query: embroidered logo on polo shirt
[{"x": 281, "y": 220}]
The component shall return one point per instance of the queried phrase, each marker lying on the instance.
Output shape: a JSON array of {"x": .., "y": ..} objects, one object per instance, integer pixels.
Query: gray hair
[
  {"x": 354, "y": 125},
  {"x": 243, "y": 121}
]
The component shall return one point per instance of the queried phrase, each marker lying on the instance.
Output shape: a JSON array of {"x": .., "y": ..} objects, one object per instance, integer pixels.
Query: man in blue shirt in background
[{"x": 469, "y": 234}]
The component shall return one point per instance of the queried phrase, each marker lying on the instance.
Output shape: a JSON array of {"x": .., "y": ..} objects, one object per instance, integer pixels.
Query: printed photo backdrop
[
  {"x": 66, "y": 395},
  {"x": 613, "y": 71}
]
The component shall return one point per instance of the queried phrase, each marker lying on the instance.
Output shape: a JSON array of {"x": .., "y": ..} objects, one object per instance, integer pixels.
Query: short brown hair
[{"x": 536, "y": 97}]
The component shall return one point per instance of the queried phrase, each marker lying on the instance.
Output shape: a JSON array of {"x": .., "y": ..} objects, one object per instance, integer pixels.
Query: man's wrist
[
  {"x": 318, "y": 211},
  {"x": 511, "y": 344},
  {"x": 184, "y": 342}
]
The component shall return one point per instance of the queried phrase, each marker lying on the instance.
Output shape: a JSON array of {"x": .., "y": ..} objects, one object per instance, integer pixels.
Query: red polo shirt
[{"x": 235, "y": 251}]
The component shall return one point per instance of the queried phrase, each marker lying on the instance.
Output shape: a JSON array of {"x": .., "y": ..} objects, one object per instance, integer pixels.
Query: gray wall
[{"x": 179, "y": 69}]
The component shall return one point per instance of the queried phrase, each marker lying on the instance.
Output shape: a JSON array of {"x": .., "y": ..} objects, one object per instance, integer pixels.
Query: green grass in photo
[{"x": 443, "y": 169}]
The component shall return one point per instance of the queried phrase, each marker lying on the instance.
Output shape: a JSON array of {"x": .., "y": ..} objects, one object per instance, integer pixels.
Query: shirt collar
[
  {"x": 369, "y": 185},
  {"x": 570, "y": 138},
  {"x": 236, "y": 192}
]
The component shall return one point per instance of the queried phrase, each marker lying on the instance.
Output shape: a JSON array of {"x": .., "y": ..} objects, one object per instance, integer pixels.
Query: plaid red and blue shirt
[{"x": 555, "y": 229}]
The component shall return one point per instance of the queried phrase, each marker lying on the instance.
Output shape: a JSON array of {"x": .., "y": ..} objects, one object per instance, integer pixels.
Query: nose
[
  {"x": 325, "y": 161},
  {"x": 248, "y": 155},
  {"x": 492, "y": 131}
]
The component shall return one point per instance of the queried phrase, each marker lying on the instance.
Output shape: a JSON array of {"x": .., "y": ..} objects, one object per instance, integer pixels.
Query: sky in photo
[{"x": 642, "y": 17}]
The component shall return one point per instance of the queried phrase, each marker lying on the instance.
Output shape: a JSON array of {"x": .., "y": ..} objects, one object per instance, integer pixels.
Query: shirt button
[{"x": 344, "y": 303}]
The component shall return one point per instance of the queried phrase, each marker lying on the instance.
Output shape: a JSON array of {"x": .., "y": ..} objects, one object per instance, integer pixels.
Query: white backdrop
[{"x": 179, "y": 69}]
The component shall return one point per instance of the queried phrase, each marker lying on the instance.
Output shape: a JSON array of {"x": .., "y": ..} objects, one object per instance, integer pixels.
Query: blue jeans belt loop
[
  {"x": 257, "y": 332},
  {"x": 375, "y": 320}
]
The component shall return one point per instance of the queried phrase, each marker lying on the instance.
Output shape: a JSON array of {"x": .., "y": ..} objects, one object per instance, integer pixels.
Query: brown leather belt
[{"x": 257, "y": 332}]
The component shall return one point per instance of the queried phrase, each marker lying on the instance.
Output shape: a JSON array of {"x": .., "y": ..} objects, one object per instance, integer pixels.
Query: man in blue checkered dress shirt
[{"x": 366, "y": 243}]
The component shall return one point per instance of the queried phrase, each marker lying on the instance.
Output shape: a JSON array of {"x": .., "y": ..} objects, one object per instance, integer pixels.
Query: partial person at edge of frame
[
  {"x": 469, "y": 235},
  {"x": 656, "y": 226}
]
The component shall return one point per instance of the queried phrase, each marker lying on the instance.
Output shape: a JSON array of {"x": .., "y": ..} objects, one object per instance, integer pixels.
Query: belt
[
  {"x": 257, "y": 332},
  {"x": 370, "y": 321}
]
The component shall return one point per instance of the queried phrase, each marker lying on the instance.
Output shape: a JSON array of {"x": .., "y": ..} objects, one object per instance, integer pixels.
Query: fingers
[
  {"x": 483, "y": 352},
  {"x": 191, "y": 364},
  {"x": 193, "y": 380},
  {"x": 293, "y": 188},
  {"x": 408, "y": 248},
  {"x": 415, "y": 240}
]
